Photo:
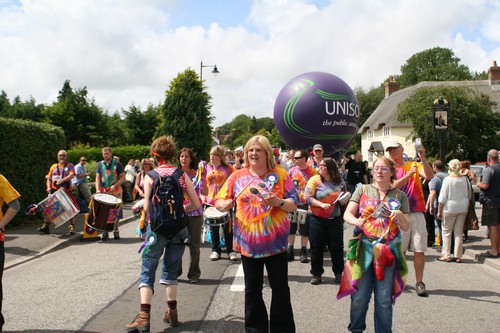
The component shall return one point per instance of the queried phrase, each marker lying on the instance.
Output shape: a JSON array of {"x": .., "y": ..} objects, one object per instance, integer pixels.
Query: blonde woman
[{"x": 453, "y": 206}]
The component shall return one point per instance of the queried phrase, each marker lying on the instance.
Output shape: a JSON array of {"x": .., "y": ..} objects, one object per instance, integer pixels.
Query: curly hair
[{"x": 164, "y": 147}]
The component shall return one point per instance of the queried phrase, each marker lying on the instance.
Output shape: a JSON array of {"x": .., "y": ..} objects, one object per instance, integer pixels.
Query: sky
[{"x": 127, "y": 52}]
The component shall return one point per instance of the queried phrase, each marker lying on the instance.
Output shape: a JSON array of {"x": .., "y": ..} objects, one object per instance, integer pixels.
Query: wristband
[{"x": 282, "y": 203}]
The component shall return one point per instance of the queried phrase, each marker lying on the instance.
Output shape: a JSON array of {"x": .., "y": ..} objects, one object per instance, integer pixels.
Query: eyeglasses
[
  {"x": 322, "y": 165},
  {"x": 385, "y": 169},
  {"x": 83, "y": 160}
]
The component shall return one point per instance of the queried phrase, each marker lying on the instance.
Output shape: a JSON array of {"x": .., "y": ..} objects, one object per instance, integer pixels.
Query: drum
[
  {"x": 59, "y": 207},
  {"x": 299, "y": 216},
  {"x": 214, "y": 217},
  {"x": 103, "y": 211}
]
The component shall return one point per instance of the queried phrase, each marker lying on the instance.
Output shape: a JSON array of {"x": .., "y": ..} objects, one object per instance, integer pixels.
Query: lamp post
[
  {"x": 441, "y": 110},
  {"x": 214, "y": 71}
]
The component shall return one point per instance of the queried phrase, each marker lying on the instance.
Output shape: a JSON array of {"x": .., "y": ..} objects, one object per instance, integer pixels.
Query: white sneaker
[
  {"x": 233, "y": 256},
  {"x": 214, "y": 256}
]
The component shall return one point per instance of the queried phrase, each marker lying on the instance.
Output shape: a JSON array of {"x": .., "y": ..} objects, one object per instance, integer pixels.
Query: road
[{"x": 92, "y": 287}]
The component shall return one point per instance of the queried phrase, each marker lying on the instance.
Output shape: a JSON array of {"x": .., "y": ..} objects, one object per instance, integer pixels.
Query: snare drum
[
  {"x": 214, "y": 217},
  {"x": 299, "y": 216},
  {"x": 103, "y": 211},
  {"x": 59, "y": 207}
]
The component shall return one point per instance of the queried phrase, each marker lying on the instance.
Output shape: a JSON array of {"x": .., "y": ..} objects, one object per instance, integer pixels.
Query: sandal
[
  {"x": 458, "y": 260},
  {"x": 488, "y": 254},
  {"x": 444, "y": 259}
]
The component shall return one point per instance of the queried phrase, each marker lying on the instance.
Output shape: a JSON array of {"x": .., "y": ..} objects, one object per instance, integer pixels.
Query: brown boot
[
  {"x": 171, "y": 317},
  {"x": 140, "y": 323}
]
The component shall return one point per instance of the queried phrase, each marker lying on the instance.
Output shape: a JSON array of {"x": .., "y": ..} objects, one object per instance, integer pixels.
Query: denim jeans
[
  {"x": 326, "y": 231},
  {"x": 383, "y": 291},
  {"x": 281, "y": 318},
  {"x": 172, "y": 249}
]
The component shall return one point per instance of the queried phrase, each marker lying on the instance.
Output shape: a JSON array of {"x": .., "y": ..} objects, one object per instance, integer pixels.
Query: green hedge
[{"x": 28, "y": 150}]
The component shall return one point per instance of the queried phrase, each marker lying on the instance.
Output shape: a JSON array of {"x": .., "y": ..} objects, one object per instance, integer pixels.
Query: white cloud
[{"x": 127, "y": 52}]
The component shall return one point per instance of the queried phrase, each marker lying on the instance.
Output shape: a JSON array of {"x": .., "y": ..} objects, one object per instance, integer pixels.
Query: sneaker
[
  {"x": 171, "y": 317},
  {"x": 233, "y": 256},
  {"x": 71, "y": 229},
  {"x": 315, "y": 280},
  {"x": 290, "y": 255},
  {"x": 44, "y": 228},
  {"x": 140, "y": 323},
  {"x": 420, "y": 287},
  {"x": 303, "y": 258},
  {"x": 214, "y": 256},
  {"x": 104, "y": 236},
  {"x": 194, "y": 280},
  {"x": 116, "y": 235}
]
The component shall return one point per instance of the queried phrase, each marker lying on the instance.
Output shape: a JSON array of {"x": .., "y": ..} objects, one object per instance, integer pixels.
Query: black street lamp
[
  {"x": 214, "y": 71},
  {"x": 441, "y": 110}
]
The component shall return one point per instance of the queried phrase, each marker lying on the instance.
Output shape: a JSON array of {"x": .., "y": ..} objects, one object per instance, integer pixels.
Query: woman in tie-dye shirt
[
  {"x": 265, "y": 194},
  {"x": 325, "y": 222},
  {"x": 215, "y": 174}
]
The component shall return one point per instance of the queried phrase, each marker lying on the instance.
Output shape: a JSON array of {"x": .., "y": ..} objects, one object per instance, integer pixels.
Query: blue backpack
[{"x": 167, "y": 216}]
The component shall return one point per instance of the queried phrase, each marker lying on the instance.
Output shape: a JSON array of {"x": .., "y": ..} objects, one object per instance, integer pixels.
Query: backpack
[{"x": 167, "y": 216}]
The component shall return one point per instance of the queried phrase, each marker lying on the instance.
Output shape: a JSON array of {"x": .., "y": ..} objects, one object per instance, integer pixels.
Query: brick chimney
[
  {"x": 494, "y": 76},
  {"x": 391, "y": 86}
]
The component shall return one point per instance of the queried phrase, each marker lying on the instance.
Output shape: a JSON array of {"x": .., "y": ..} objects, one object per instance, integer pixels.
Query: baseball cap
[
  {"x": 318, "y": 147},
  {"x": 393, "y": 144}
]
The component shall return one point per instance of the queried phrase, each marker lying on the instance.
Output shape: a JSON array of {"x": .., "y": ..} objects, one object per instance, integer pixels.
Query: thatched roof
[{"x": 385, "y": 113}]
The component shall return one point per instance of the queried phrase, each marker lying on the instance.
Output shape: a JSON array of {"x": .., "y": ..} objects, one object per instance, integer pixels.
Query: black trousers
[{"x": 281, "y": 318}]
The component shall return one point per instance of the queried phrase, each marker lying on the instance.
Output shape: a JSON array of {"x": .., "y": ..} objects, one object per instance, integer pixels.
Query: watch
[{"x": 282, "y": 203}]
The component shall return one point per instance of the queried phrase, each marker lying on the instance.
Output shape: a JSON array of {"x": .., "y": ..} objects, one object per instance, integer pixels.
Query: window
[
  {"x": 387, "y": 131},
  {"x": 370, "y": 157},
  {"x": 370, "y": 134}
]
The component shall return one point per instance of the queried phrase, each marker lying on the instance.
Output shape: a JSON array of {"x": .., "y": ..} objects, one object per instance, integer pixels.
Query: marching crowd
[{"x": 251, "y": 203}]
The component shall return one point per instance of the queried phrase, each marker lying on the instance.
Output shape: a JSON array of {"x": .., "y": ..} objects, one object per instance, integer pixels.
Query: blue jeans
[
  {"x": 172, "y": 249},
  {"x": 330, "y": 232},
  {"x": 281, "y": 318},
  {"x": 383, "y": 291}
]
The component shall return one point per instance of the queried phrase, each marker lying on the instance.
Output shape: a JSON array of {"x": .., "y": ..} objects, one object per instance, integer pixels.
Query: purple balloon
[{"x": 317, "y": 107}]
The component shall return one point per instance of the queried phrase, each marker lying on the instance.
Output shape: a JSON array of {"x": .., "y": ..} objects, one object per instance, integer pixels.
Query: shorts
[
  {"x": 490, "y": 215},
  {"x": 415, "y": 240}
]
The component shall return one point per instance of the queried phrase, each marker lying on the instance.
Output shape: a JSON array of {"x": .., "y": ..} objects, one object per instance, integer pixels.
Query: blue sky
[{"x": 126, "y": 52}]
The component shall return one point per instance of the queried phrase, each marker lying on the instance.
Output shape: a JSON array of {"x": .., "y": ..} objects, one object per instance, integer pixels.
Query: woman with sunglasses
[
  {"x": 145, "y": 167},
  {"x": 325, "y": 221},
  {"x": 379, "y": 212}
]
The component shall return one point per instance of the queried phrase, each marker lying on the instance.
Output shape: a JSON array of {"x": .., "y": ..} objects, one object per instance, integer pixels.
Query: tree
[
  {"x": 141, "y": 126},
  {"x": 436, "y": 64},
  {"x": 81, "y": 119},
  {"x": 472, "y": 124},
  {"x": 368, "y": 102},
  {"x": 186, "y": 113}
]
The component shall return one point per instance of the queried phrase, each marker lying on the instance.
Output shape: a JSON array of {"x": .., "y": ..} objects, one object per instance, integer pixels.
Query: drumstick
[{"x": 244, "y": 188}]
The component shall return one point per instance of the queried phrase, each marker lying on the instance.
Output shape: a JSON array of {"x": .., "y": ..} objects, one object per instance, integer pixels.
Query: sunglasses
[
  {"x": 83, "y": 160},
  {"x": 297, "y": 157}
]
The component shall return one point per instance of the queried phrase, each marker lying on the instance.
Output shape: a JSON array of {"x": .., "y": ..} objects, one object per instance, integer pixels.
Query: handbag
[{"x": 471, "y": 220}]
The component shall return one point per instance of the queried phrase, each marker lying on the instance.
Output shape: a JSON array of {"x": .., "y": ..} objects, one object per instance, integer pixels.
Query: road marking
[{"x": 239, "y": 280}]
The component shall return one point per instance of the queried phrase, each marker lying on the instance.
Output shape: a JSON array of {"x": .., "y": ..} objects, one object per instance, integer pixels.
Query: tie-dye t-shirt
[
  {"x": 215, "y": 177},
  {"x": 197, "y": 212},
  {"x": 259, "y": 231},
  {"x": 326, "y": 192},
  {"x": 300, "y": 178},
  {"x": 413, "y": 187}
]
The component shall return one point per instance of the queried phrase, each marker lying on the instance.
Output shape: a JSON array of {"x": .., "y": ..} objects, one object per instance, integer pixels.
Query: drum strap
[{"x": 108, "y": 177}]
